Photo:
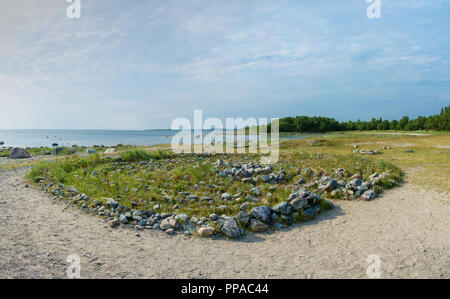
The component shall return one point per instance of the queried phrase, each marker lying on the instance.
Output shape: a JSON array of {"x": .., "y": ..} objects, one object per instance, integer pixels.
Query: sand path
[{"x": 408, "y": 229}]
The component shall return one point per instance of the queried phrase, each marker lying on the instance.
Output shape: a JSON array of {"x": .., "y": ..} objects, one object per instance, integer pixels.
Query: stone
[
  {"x": 362, "y": 188},
  {"x": 299, "y": 204},
  {"x": 143, "y": 222},
  {"x": 278, "y": 226},
  {"x": 262, "y": 213},
  {"x": 244, "y": 206},
  {"x": 310, "y": 212},
  {"x": 206, "y": 198},
  {"x": 331, "y": 185},
  {"x": 111, "y": 203},
  {"x": 255, "y": 191},
  {"x": 257, "y": 226},
  {"x": 182, "y": 218},
  {"x": 165, "y": 225},
  {"x": 172, "y": 222},
  {"x": 90, "y": 151},
  {"x": 192, "y": 197},
  {"x": 213, "y": 217},
  {"x": 73, "y": 190},
  {"x": 283, "y": 208},
  {"x": 188, "y": 227},
  {"x": 230, "y": 228},
  {"x": 226, "y": 196},
  {"x": 374, "y": 175},
  {"x": 369, "y": 195},
  {"x": 18, "y": 153},
  {"x": 170, "y": 231},
  {"x": 123, "y": 218},
  {"x": 110, "y": 151},
  {"x": 300, "y": 182},
  {"x": 243, "y": 218},
  {"x": 355, "y": 182},
  {"x": 325, "y": 179},
  {"x": 113, "y": 223},
  {"x": 205, "y": 231}
]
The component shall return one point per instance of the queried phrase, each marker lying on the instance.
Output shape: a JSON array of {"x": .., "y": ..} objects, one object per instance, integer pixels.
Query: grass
[
  {"x": 140, "y": 179},
  {"x": 429, "y": 163}
]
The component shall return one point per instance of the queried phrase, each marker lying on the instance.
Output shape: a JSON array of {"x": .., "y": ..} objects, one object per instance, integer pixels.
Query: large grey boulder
[
  {"x": 299, "y": 203},
  {"x": 243, "y": 218},
  {"x": 262, "y": 213},
  {"x": 19, "y": 153},
  {"x": 282, "y": 208}
]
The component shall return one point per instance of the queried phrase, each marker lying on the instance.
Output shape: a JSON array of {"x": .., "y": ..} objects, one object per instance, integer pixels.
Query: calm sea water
[{"x": 38, "y": 138}]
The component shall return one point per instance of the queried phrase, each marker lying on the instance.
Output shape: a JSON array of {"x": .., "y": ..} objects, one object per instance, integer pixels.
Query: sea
[{"x": 46, "y": 138}]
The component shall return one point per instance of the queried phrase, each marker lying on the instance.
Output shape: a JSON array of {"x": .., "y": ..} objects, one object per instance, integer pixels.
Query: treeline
[{"x": 318, "y": 124}]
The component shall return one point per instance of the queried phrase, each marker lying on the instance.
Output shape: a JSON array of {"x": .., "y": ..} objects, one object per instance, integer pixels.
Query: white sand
[{"x": 408, "y": 228}]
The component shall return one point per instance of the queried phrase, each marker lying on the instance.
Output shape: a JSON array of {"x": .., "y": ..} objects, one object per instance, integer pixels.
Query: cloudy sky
[{"x": 140, "y": 64}]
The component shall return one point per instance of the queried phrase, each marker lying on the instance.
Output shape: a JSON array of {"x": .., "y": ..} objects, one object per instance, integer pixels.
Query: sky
[{"x": 140, "y": 64}]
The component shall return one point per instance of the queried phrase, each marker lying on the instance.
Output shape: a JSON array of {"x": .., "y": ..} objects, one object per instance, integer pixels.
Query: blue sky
[{"x": 140, "y": 64}]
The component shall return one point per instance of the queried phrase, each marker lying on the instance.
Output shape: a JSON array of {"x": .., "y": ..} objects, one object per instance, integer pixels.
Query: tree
[
  {"x": 394, "y": 124},
  {"x": 403, "y": 122},
  {"x": 320, "y": 124}
]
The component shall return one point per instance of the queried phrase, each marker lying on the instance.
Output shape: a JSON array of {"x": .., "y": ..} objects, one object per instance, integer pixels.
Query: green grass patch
[{"x": 140, "y": 179}]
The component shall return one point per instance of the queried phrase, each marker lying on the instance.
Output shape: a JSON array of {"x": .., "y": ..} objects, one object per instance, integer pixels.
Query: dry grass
[{"x": 428, "y": 165}]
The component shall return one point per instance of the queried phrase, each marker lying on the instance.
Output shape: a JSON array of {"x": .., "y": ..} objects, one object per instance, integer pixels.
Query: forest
[{"x": 320, "y": 124}]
